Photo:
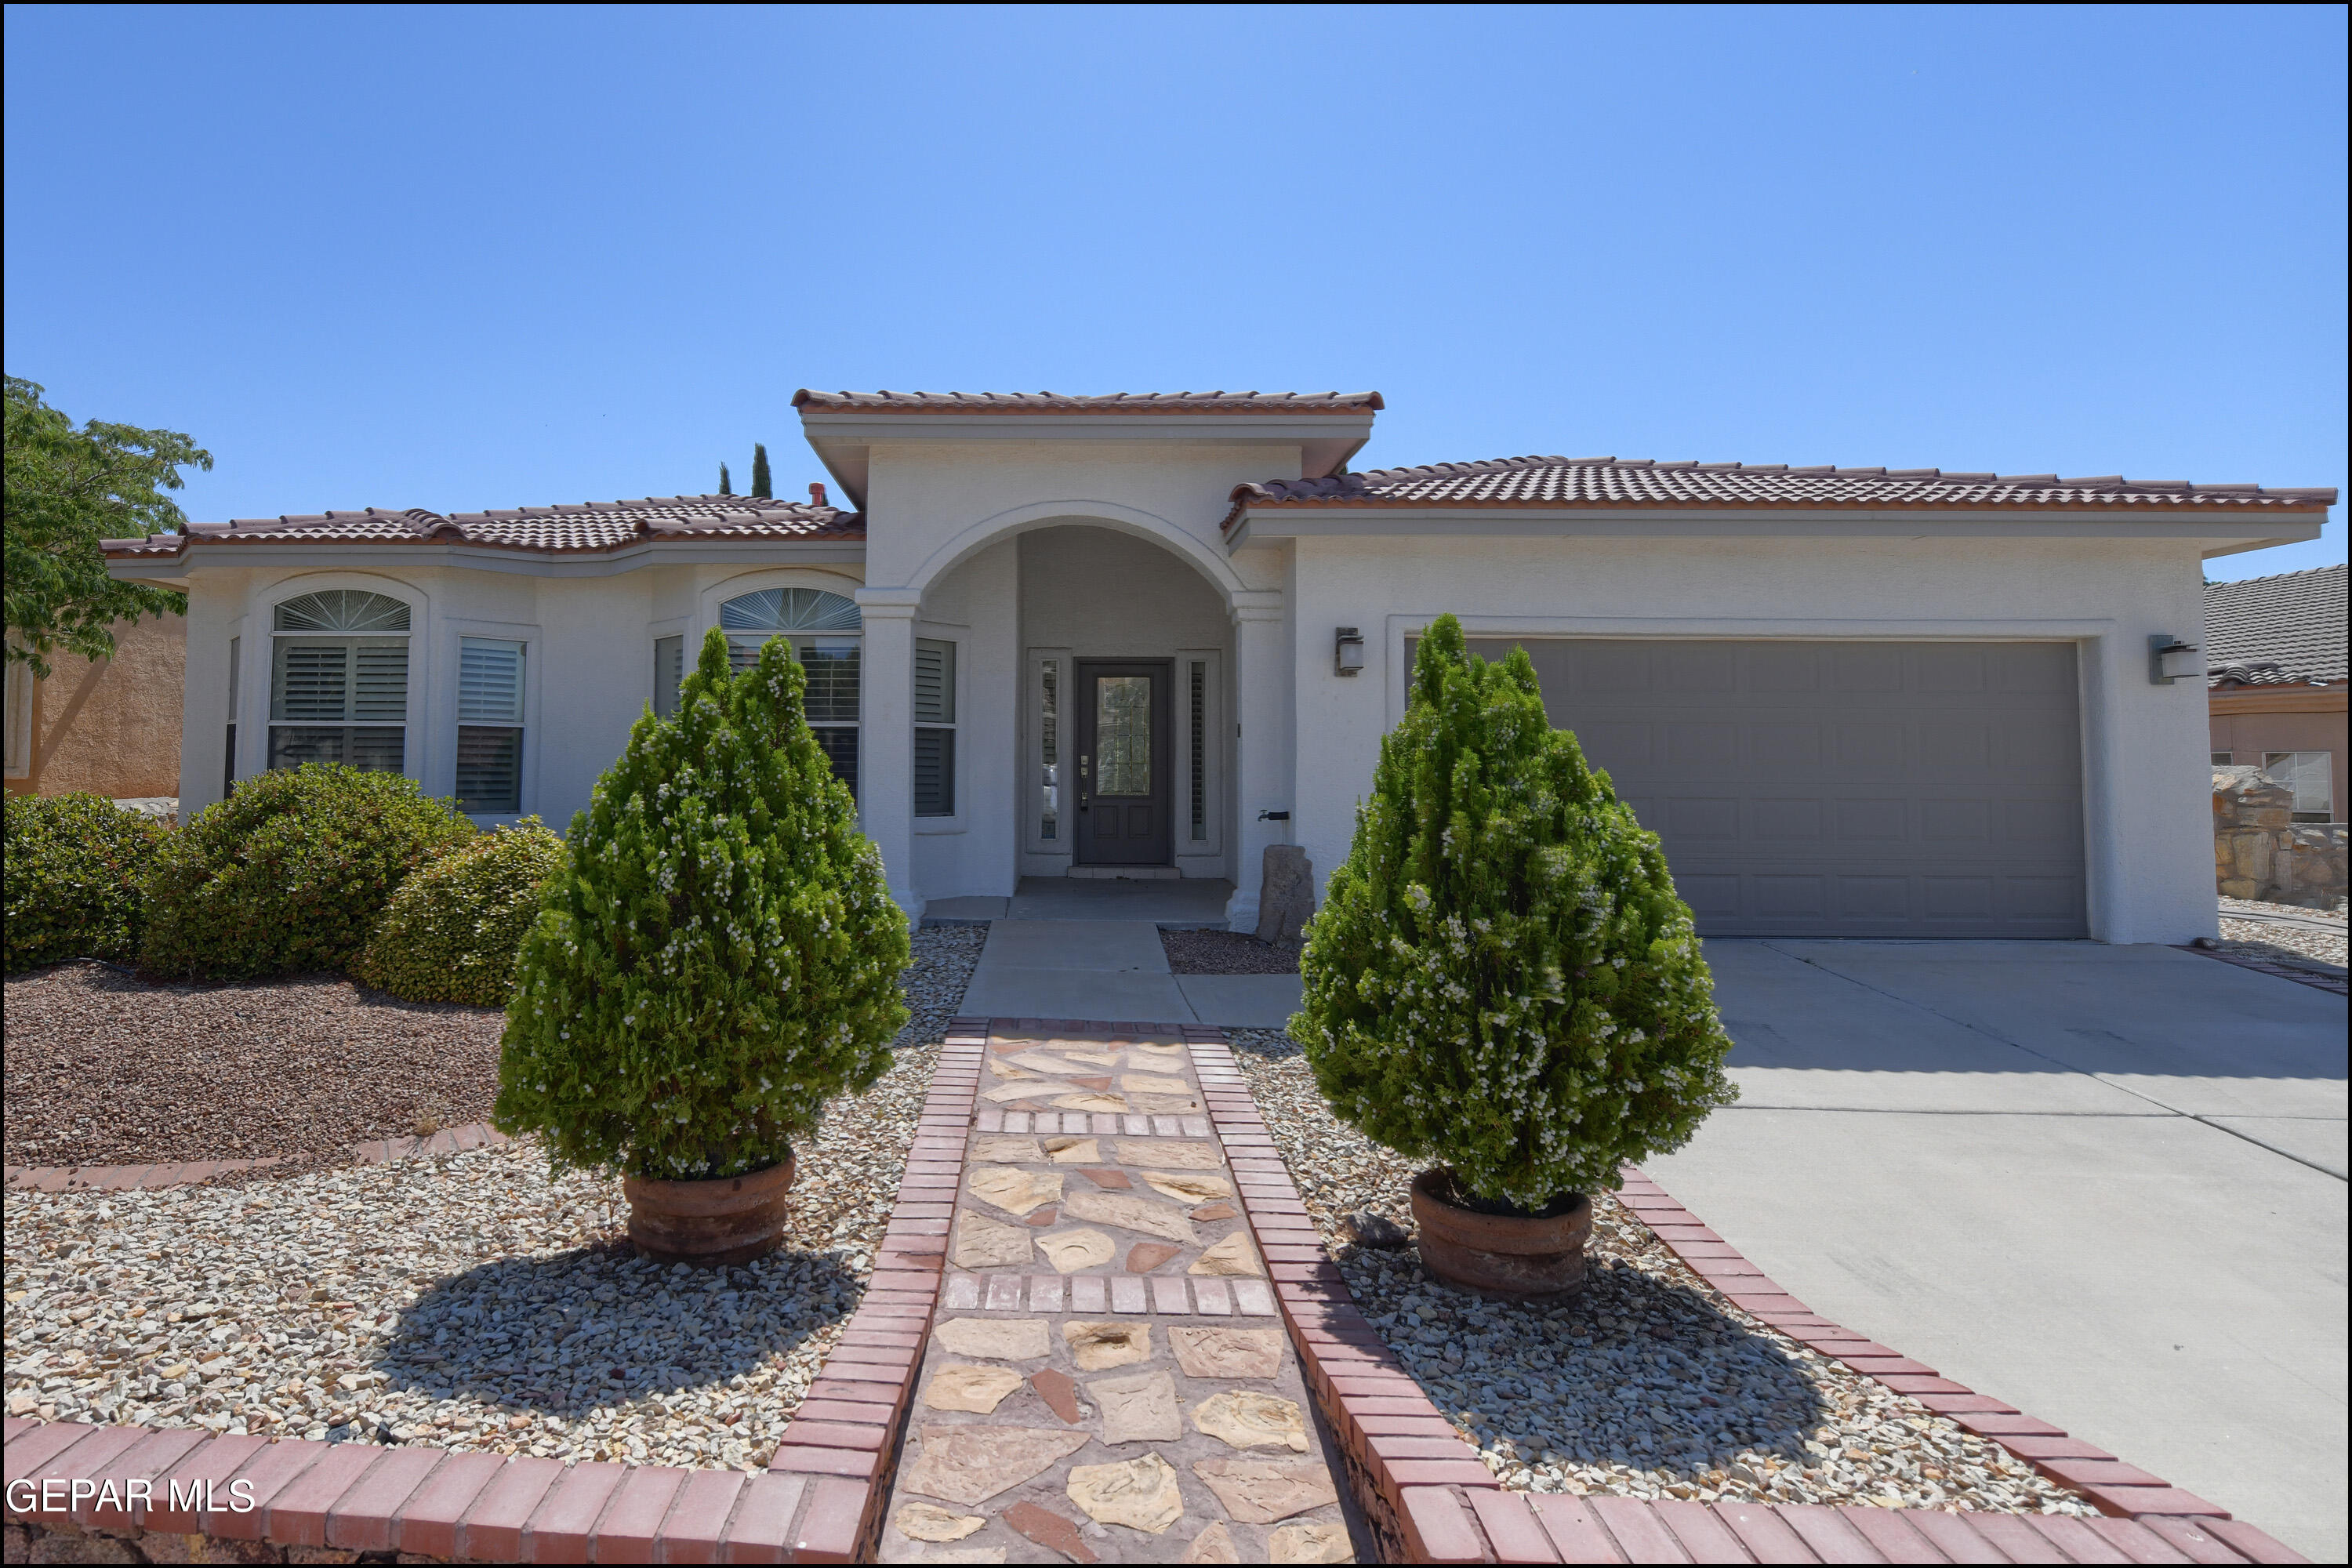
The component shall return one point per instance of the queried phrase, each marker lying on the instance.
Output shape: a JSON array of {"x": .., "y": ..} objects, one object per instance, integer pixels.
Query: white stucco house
[{"x": 1152, "y": 635}]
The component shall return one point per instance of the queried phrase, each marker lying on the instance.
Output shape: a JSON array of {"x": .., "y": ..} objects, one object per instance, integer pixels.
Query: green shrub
[
  {"x": 76, "y": 867},
  {"x": 1502, "y": 976},
  {"x": 718, "y": 955},
  {"x": 289, "y": 873},
  {"x": 451, "y": 933}
]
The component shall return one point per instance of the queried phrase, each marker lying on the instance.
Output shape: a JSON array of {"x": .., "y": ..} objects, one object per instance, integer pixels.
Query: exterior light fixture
[
  {"x": 2169, "y": 659},
  {"x": 1347, "y": 652}
]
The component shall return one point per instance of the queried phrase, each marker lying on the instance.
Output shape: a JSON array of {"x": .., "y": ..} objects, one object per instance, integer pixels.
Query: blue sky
[{"x": 467, "y": 258}]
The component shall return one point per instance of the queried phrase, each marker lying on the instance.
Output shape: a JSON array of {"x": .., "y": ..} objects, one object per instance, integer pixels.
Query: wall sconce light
[
  {"x": 1347, "y": 652},
  {"x": 2169, "y": 659}
]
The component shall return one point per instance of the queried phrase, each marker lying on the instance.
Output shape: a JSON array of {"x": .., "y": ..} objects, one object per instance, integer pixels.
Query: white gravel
[
  {"x": 2298, "y": 932},
  {"x": 1650, "y": 1384},
  {"x": 466, "y": 1301}
]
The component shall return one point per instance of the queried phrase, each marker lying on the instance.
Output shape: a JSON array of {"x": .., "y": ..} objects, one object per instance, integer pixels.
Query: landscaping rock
[
  {"x": 1142, "y": 1494},
  {"x": 1286, "y": 899},
  {"x": 995, "y": 1339},
  {"x": 1245, "y": 1419},
  {"x": 971, "y": 1463}
]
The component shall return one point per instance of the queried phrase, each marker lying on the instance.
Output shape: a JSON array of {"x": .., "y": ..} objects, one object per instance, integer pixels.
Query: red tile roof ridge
[
  {"x": 2280, "y": 576},
  {"x": 1554, "y": 481},
  {"x": 1220, "y": 401},
  {"x": 566, "y": 526}
]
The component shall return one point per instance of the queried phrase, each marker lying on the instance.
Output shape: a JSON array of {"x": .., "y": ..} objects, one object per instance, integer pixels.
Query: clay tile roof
[
  {"x": 586, "y": 527},
  {"x": 1115, "y": 402},
  {"x": 2286, "y": 630},
  {"x": 1640, "y": 482}
]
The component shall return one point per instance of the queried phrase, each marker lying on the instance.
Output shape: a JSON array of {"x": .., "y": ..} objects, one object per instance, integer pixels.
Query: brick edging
[
  {"x": 819, "y": 1501},
  {"x": 127, "y": 1178},
  {"x": 1429, "y": 1497}
]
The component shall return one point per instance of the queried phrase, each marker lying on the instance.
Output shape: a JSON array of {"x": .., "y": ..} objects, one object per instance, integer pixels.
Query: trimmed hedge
[
  {"x": 77, "y": 865},
  {"x": 291, "y": 873},
  {"x": 451, "y": 931}
]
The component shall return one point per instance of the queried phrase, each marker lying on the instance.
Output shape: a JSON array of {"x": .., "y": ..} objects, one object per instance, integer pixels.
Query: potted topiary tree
[
  {"x": 1501, "y": 978},
  {"x": 716, "y": 957}
]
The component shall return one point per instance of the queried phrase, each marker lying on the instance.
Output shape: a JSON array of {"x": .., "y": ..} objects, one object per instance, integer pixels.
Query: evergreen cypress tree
[
  {"x": 719, "y": 954},
  {"x": 1502, "y": 976},
  {"x": 725, "y": 489},
  {"x": 761, "y": 485}
]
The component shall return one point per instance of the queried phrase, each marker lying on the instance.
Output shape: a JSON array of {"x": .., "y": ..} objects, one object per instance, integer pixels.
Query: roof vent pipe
[{"x": 817, "y": 496}]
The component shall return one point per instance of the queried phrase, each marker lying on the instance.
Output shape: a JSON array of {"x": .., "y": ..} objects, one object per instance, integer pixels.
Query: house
[
  {"x": 109, "y": 726},
  {"x": 2274, "y": 661},
  {"x": 1150, "y": 636}
]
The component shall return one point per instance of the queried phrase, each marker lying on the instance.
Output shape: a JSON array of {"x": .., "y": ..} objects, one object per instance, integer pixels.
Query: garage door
[{"x": 1842, "y": 788}]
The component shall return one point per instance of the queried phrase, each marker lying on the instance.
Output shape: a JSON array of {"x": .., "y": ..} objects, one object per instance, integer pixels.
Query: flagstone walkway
[{"x": 1107, "y": 1377}]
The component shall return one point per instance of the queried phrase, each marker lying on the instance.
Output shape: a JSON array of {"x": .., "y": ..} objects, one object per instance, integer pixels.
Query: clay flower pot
[
  {"x": 1503, "y": 1253},
  {"x": 729, "y": 1219}
]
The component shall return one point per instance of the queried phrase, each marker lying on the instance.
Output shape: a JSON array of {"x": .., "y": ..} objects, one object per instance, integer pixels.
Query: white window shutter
[{"x": 489, "y": 681}]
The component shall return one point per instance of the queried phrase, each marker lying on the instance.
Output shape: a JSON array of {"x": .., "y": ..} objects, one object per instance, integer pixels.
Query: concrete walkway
[
  {"x": 2104, "y": 1184},
  {"x": 1113, "y": 969}
]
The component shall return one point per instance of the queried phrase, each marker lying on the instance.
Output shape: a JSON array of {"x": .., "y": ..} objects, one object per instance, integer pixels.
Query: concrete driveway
[{"x": 2105, "y": 1183}]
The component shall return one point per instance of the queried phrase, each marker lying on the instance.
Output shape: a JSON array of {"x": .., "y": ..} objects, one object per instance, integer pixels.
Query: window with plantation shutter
[
  {"x": 489, "y": 726},
  {"x": 824, "y": 632},
  {"x": 935, "y": 712},
  {"x": 339, "y": 681},
  {"x": 669, "y": 673}
]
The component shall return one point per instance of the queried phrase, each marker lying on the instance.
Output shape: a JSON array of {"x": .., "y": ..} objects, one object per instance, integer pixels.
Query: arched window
[
  {"x": 825, "y": 632},
  {"x": 339, "y": 680}
]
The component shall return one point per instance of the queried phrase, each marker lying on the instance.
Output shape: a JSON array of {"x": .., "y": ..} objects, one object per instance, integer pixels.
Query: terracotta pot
[
  {"x": 729, "y": 1219},
  {"x": 1500, "y": 1253}
]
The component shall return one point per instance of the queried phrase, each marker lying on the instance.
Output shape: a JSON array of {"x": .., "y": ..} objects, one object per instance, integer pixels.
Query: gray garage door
[{"x": 1842, "y": 788}]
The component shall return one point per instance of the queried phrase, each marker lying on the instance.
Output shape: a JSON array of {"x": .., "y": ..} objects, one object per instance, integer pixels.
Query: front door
[{"x": 1123, "y": 773}]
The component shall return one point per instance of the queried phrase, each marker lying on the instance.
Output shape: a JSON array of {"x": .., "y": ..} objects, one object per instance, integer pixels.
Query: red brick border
[
  {"x": 124, "y": 1178},
  {"x": 1431, "y": 1499},
  {"x": 820, "y": 1501}
]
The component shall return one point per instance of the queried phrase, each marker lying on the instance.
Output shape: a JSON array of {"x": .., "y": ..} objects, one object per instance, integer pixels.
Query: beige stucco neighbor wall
[
  {"x": 2248, "y": 722},
  {"x": 110, "y": 728}
]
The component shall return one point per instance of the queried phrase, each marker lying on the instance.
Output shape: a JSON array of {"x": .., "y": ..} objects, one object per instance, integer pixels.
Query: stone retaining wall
[{"x": 2261, "y": 852}]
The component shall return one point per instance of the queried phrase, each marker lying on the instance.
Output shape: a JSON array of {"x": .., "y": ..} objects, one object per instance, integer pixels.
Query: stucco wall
[
  {"x": 2146, "y": 795},
  {"x": 2270, "y": 722},
  {"x": 112, "y": 727},
  {"x": 975, "y": 605},
  {"x": 588, "y": 670}
]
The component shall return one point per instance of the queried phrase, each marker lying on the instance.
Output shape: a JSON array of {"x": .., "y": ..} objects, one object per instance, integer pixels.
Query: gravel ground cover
[
  {"x": 1650, "y": 1383},
  {"x": 106, "y": 1069},
  {"x": 1225, "y": 952},
  {"x": 2301, "y": 933},
  {"x": 469, "y": 1301}
]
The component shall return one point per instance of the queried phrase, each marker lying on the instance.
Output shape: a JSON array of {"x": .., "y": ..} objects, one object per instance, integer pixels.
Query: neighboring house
[
  {"x": 2274, "y": 661},
  {"x": 109, "y": 727},
  {"x": 1153, "y": 635}
]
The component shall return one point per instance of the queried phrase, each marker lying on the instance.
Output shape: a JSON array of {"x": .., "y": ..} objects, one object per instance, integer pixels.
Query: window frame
[
  {"x": 1034, "y": 780},
  {"x": 269, "y": 690},
  {"x": 519, "y": 727},
  {"x": 715, "y": 600},
  {"x": 952, "y": 820},
  {"x": 2327, "y": 767},
  {"x": 1214, "y": 729}
]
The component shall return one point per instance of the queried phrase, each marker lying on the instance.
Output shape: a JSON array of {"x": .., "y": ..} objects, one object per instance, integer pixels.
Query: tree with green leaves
[
  {"x": 67, "y": 489},
  {"x": 726, "y": 487},
  {"x": 761, "y": 486},
  {"x": 1502, "y": 976},
  {"x": 718, "y": 954}
]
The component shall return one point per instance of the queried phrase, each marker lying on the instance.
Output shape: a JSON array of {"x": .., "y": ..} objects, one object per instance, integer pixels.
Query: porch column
[
  {"x": 886, "y": 744},
  {"x": 1261, "y": 678}
]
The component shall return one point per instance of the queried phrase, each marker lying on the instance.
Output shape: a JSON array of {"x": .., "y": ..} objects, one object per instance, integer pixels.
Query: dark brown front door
[{"x": 1123, "y": 794}]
